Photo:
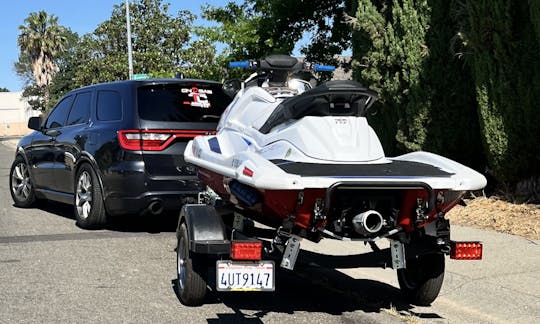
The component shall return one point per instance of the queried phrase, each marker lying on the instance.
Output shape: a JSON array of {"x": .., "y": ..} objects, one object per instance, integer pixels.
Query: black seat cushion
[{"x": 332, "y": 98}]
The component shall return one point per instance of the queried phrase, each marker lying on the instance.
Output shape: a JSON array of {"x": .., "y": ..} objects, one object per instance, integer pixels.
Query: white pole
[{"x": 130, "y": 57}]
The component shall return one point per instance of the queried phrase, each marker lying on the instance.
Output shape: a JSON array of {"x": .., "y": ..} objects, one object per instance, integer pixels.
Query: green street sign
[{"x": 140, "y": 76}]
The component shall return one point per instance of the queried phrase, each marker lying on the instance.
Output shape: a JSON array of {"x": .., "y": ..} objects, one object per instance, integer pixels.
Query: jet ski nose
[{"x": 368, "y": 222}]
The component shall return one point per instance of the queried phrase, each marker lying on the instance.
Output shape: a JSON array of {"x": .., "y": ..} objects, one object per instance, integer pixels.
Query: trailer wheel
[
  {"x": 422, "y": 280},
  {"x": 191, "y": 271}
]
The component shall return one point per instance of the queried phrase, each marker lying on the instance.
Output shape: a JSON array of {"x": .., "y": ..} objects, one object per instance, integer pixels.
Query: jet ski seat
[{"x": 332, "y": 98}]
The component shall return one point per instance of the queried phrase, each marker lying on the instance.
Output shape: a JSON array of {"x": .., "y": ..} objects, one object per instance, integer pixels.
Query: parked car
[{"x": 117, "y": 148}]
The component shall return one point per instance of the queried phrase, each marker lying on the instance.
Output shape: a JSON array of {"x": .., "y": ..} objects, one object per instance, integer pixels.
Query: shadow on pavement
[
  {"x": 314, "y": 286},
  {"x": 56, "y": 208},
  {"x": 152, "y": 224}
]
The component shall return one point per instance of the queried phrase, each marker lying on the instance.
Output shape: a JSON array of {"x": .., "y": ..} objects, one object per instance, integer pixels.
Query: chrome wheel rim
[
  {"x": 21, "y": 185},
  {"x": 83, "y": 197},
  {"x": 181, "y": 263}
]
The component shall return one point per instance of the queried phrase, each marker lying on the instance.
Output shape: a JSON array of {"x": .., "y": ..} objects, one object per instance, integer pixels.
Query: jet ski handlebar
[{"x": 281, "y": 62}]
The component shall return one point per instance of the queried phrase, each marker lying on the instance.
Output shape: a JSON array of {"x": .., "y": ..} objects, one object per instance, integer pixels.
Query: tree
[
  {"x": 160, "y": 41},
  {"x": 402, "y": 50},
  {"x": 499, "y": 41},
  {"x": 257, "y": 28},
  {"x": 391, "y": 49},
  {"x": 67, "y": 62},
  {"x": 40, "y": 40},
  {"x": 4, "y": 90}
]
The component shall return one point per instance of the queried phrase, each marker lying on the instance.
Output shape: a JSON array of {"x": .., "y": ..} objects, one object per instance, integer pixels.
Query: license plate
[{"x": 245, "y": 276}]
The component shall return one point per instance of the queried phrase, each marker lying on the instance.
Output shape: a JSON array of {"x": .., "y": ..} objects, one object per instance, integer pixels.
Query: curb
[{"x": 7, "y": 138}]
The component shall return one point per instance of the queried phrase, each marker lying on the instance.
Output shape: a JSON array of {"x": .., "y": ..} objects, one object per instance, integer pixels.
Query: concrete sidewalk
[{"x": 504, "y": 287}]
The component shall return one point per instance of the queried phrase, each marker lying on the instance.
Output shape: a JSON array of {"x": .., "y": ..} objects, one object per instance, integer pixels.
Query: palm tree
[{"x": 42, "y": 39}]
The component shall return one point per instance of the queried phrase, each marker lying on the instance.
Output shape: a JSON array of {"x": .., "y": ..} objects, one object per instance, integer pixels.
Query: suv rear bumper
[
  {"x": 149, "y": 202},
  {"x": 130, "y": 189}
]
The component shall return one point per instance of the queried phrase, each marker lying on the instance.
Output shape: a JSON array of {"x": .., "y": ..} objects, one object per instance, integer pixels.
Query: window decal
[{"x": 198, "y": 97}]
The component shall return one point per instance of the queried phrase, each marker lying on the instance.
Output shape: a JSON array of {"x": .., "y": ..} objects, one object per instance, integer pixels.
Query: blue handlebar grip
[
  {"x": 323, "y": 68},
  {"x": 243, "y": 64}
]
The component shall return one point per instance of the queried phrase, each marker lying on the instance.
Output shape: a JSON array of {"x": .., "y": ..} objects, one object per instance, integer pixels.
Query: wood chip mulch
[{"x": 499, "y": 215}]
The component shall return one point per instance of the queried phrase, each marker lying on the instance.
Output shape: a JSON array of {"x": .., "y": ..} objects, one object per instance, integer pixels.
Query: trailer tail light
[
  {"x": 154, "y": 139},
  {"x": 246, "y": 250},
  {"x": 466, "y": 250}
]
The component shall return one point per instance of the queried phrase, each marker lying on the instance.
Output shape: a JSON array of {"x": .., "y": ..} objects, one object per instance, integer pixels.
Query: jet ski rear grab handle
[{"x": 374, "y": 186}]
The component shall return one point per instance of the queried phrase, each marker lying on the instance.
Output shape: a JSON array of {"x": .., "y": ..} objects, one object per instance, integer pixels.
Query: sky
[{"x": 81, "y": 16}]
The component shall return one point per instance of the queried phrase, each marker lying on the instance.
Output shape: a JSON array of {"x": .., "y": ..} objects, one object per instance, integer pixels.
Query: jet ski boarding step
[{"x": 394, "y": 169}]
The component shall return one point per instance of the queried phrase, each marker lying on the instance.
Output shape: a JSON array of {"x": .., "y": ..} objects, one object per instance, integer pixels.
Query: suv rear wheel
[{"x": 89, "y": 209}]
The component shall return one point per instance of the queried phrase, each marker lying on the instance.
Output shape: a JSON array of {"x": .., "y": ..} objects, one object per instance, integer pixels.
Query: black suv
[{"x": 117, "y": 148}]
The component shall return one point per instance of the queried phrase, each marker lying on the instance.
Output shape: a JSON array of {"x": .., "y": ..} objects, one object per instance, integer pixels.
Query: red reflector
[
  {"x": 246, "y": 250},
  {"x": 466, "y": 250},
  {"x": 247, "y": 172}
]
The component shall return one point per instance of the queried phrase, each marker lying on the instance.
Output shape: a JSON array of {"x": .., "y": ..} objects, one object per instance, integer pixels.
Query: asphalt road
[{"x": 52, "y": 271}]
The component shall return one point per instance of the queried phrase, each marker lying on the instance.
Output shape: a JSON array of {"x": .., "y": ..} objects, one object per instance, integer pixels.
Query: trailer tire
[
  {"x": 191, "y": 269},
  {"x": 422, "y": 280}
]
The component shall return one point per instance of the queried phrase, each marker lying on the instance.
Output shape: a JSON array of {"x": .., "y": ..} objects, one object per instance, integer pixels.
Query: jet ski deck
[{"x": 393, "y": 169}]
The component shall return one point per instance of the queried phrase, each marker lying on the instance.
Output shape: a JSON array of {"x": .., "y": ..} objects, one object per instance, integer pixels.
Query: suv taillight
[{"x": 154, "y": 139}]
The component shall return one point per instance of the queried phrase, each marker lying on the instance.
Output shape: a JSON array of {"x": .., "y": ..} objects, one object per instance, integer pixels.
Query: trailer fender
[{"x": 206, "y": 229}]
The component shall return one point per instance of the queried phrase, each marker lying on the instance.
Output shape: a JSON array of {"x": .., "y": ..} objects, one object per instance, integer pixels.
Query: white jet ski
[{"x": 305, "y": 161}]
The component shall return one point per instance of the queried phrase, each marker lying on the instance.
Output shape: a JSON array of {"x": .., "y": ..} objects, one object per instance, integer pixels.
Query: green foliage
[
  {"x": 500, "y": 45},
  {"x": 534, "y": 7},
  {"x": 257, "y": 28},
  {"x": 63, "y": 79},
  {"x": 35, "y": 96},
  {"x": 324, "y": 21},
  {"x": 402, "y": 50},
  {"x": 41, "y": 40},
  {"x": 392, "y": 50},
  {"x": 203, "y": 62},
  {"x": 23, "y": 68},
  {"x": 158, "y": 41},
  {"x": 454, "y": 129},
  {"x": 239, "y": 28},
  {"x": 2, "y": 89}
]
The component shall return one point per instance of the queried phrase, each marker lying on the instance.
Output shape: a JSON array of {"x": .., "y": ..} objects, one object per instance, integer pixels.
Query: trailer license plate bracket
[{"x": 245, "y": 276}]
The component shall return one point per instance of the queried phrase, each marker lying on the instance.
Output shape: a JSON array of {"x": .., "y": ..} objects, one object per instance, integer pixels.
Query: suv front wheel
[
  {"x": 89, "y": 209},
  {"x": 22, "y": 190}
]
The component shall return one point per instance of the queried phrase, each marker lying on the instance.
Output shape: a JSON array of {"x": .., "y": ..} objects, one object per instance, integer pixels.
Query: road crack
[{"x": 67, "y": 237}]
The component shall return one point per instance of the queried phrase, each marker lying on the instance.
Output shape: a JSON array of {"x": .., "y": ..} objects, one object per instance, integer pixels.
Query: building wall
[{"x": 14, "y": 114}]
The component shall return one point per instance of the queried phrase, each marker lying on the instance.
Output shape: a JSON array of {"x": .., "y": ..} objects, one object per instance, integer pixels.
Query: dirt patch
[{"x": 499, "y": 215}]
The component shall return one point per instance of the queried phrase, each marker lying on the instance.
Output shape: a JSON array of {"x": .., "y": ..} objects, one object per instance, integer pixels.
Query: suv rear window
[{"x": 182, "y": 102}]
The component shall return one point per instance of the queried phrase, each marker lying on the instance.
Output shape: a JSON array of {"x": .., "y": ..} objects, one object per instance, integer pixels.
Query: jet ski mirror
[
  {"x": 231, "y": 87},
  {"x": 299, "y": 85}
]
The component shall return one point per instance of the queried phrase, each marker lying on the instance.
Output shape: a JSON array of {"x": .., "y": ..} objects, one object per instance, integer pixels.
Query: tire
[
  {"x": 191, "y": 270},
  {"x": 20, "y": 183},
  {"x": 88, "y": 201},
  {"x": 422, "y": 280}
]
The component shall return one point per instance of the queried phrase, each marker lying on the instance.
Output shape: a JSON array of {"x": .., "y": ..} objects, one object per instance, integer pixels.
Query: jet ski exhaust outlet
[{"x": 368, "y": 222}]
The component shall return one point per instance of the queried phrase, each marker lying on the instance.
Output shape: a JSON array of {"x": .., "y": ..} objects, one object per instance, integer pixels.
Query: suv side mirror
[
  {"x": 34, "y": 123},
  {"x": 232, "y": 87}
]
